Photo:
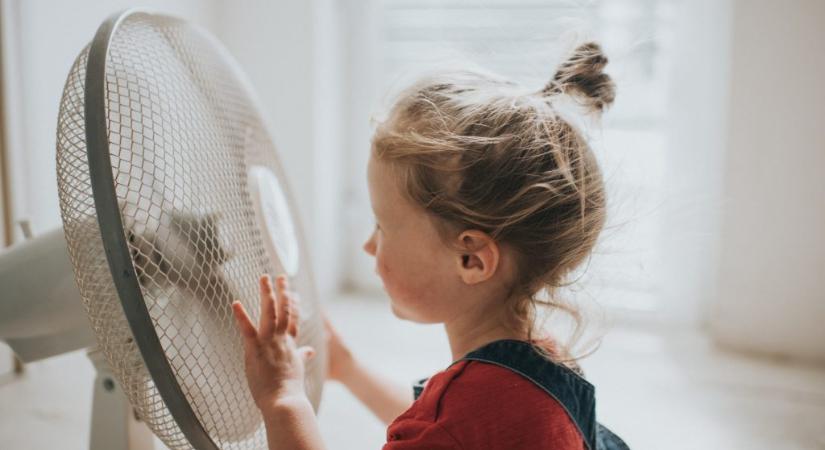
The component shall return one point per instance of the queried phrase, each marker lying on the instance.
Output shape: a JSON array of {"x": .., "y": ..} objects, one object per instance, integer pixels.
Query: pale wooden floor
[{"x": 658, "y": 389}]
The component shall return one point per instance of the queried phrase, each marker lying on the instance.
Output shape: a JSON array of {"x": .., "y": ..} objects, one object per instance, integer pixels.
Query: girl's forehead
[
  {"x": 383, "y": 179},
  {"x": 380, "y": 181}
]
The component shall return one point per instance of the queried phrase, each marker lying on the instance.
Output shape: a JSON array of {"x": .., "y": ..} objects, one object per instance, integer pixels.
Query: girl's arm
[
  {"x": 274, "y": 369},
  {"x": 387, "y": 400},
  {"x": 291, "y": 424}
]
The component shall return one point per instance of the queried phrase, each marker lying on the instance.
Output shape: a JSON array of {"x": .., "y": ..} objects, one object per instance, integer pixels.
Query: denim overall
[{"x": 572, "y": 391}]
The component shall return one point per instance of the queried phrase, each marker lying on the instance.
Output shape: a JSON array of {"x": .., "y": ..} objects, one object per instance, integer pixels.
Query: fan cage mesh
[{"x": 183, "y": 135}]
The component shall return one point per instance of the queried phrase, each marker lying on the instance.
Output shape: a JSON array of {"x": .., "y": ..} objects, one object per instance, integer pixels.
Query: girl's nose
[{"x": 369, "y": 246}]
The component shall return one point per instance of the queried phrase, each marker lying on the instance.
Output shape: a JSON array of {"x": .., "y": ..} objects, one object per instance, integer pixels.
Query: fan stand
[
  {"x": 26, "y": 229},
  {"x": 115, "y": 425}
]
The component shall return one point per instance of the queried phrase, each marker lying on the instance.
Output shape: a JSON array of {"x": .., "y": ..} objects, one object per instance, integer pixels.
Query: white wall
[
  {"x": 363, "y": 102},
  {"x": 771, "y": 296},
  {"x": 696, "y": 137}
]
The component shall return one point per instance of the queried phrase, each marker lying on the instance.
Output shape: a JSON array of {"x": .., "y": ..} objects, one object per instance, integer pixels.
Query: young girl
[{"x": 483, "y": 197}]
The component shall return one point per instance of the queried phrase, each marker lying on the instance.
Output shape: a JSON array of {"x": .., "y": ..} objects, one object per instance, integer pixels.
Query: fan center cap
[{"x": 274, "y": 219}]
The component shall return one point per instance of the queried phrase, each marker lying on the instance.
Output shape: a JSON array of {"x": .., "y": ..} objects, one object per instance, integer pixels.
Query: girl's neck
[{"x": 472, "y": 331}]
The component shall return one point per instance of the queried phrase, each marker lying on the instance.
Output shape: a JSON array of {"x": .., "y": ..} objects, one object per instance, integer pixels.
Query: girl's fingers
[
  {"x": 244, "y": 322},
  {"x": 278, "y": 312},
  {"x": 268, "y": 309},
  {"x": 282, "y": 321},
  {"x": 294, "y": 317}
]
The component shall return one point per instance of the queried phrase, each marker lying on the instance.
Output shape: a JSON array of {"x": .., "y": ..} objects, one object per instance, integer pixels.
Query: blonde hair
[{"x": 478, "y": 152}]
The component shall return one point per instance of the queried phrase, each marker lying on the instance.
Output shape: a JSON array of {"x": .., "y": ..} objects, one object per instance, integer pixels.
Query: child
[{"x": 483, "y": 196}]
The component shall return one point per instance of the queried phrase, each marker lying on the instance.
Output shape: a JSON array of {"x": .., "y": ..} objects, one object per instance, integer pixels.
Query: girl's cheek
[{"x": 381, "y": 267}]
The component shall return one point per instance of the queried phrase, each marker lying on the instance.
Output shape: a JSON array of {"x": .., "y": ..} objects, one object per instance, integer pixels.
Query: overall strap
[{"x": 574, "y": 393}]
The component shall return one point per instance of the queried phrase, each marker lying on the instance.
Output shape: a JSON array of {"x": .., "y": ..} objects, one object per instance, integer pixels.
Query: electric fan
[{"x": 173, "y": 203}]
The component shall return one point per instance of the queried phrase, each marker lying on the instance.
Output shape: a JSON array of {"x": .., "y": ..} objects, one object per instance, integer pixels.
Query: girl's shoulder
[
  {"x": 484, "y": 405},
  {"x": 480, "y": 387}
]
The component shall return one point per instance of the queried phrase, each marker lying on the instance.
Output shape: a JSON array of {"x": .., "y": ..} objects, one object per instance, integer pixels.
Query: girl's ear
[{"x": 478, "y": 258}]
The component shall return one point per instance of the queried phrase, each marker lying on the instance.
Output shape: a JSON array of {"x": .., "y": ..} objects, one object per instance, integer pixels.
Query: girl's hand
[
  {"x": 341, "y": 361},
  {"x": 274, "y": 366},
  {"x": 386, "y": 399}
]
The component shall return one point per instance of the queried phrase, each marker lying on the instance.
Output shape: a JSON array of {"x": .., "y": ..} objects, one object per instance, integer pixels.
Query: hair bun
[{"x": 582, "y": 75}]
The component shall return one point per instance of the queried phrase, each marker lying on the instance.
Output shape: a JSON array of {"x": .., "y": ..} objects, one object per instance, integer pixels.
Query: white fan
[{"x": 173, "y": 203}]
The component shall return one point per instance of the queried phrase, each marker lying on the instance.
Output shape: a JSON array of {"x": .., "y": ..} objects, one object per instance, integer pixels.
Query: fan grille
[{"x": 183, "y": 136}]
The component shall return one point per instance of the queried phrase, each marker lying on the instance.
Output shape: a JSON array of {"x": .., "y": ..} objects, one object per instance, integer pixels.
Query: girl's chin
[
  {"x": 396, "y": 311},
  {"x": 399, "y": 311},
  {"x": 409, "y": 316}
]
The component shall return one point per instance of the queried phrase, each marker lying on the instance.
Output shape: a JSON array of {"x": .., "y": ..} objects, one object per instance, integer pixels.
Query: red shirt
[{"x": 475, "y": 405}]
